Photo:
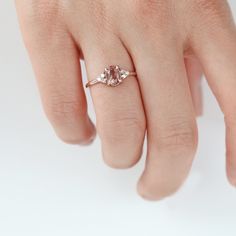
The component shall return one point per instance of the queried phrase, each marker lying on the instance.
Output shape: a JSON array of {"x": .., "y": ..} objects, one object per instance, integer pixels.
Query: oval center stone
[{"x": 113, "y": 76}]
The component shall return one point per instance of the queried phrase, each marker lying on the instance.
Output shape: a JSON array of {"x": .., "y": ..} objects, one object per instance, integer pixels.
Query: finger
[
  {"x": 217, "y": 52},
  {"x": 194, "y": 73},
  {"x": 57, "y": 67},
  {"x": 171, "y": 125},
  {"x": 119, "y": 110}
]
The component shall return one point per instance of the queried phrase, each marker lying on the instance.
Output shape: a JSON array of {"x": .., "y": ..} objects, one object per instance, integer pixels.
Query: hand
[{"x": 166, "y": 41}]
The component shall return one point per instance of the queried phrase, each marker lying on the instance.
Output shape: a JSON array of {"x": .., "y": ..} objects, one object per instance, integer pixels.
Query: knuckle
[
  {"x": 121, "y": 128},
  {"x": 121, "y": 136},
  {"x": 152, "y": 14},
  {"x": 180, "y": 136},
  {"x": 42, "y": 19},
  {"x": 208, "y": 5},
  {"x": 42, "y": 11},
  {"x": 149, "y": 6},
  {"x": 99, "y": 10},
  {"x": 213, "y": 10},
  {"x": 101, "y": 22},
  {"x": 61, "y": 110}
]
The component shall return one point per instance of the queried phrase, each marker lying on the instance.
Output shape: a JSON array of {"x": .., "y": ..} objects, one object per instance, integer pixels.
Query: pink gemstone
[{"x": 113, "y": 76}]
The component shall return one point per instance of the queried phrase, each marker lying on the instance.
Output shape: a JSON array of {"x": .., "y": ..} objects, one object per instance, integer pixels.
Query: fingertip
[
  {"x": 151, "y": 191},
  {"x": 231, "y": 175},
  {"x": 82, "y": 135},
  {"x": 146, "y": 194},
  {"x": 90, "y": 135},
  {"x": 199, "y": 111},
  {"x": 88, "y": 141},
  {"x": 116, "y": 159},
  {"x": 232, "y": 181}
]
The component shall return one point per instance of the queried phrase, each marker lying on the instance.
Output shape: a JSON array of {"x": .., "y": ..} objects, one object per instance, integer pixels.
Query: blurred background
[{"x": 50, "y": 188}]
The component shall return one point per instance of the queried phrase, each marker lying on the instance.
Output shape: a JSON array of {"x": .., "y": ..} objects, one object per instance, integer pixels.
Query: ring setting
[{"x": 112, "y": 76}]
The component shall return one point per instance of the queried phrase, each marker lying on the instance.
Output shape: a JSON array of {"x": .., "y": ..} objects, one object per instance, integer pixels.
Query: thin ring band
[{"x": 112, "y": 77}]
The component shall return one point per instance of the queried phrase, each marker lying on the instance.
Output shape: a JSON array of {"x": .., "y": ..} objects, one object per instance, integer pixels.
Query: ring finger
[{"x": 119, "y": 110}]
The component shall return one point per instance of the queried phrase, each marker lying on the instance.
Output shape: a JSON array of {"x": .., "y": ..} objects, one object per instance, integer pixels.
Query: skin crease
[{"x": 169, "y": 43}]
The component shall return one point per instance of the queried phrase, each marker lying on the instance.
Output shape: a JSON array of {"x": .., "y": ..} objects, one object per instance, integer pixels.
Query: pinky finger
[{"x": 218, "y": 57}]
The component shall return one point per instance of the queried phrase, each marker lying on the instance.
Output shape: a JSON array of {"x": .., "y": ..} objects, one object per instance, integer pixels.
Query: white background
[{"x": 50, "y": 188}]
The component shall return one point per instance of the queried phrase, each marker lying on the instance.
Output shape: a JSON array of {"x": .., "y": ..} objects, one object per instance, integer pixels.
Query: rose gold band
[{"x": 92, "y": 82}]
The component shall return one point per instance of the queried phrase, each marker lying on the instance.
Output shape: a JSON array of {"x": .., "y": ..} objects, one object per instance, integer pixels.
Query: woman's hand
[{"x": 165, "y": 41}]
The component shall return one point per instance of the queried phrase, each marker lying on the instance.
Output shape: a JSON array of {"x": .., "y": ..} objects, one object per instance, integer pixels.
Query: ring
[{"x": 112, "y": 76}]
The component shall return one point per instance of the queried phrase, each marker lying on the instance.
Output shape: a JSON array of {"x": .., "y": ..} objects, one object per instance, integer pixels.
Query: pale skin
[{"x": 170, "y": 44}]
